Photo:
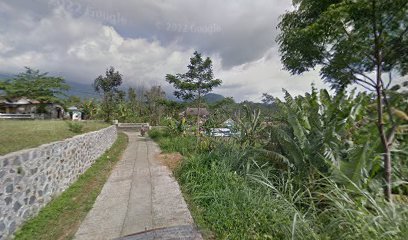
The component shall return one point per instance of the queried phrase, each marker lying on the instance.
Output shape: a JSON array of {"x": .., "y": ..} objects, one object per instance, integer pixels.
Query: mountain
[
  {"x": 4, "y": 76},
  {"x": 81, "y": 90},
  {"x": 213, "y": 97}
]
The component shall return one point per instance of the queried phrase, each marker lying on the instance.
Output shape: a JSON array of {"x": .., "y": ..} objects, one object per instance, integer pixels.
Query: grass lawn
[
  {"x": 16, "y": 135},
  {"x": 61, "y": 218}
]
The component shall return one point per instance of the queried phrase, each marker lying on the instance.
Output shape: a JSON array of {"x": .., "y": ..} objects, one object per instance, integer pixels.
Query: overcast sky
[{"x": 145, "y": 40}]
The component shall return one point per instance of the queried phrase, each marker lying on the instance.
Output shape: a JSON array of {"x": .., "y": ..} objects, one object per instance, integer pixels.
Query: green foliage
[
  {"x": 250, "y": 127},
  {"x": 171, "y": 143},
  {"x": 72, "y": 101},
  {"x": 153, "y": 99},
  {"x": 232, "y": 207},
  {"x": 195, "y": 83},
  {"x": 175, "y": 127},
  {"x": 340, "y": 36},
  {"x": 198, "y": 81},
  {"x": 322, "y": 134},
  {"x": 235, "y": 194},
  {"x": 109, "y": 83},
  {"x": 75, "y": 127},
  {"x": 35, "y": 85},
  {"x": 351, "y": 41},
  {"x": 108, "y": 86},
  {"x": 157, "y": 134}
]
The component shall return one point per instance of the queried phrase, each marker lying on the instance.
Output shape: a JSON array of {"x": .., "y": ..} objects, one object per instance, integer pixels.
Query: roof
[
  {"x": 18, "y": 101},
  {"x": 22, "y": 101},
  {"x": 72, "y": 108},
  {"x": 4, "y": 101}
]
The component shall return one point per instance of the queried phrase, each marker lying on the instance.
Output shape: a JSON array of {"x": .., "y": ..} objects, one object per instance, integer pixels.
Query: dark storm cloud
[
  {"x": 147, "y": 39},
  {"x": 239, "y": 31}
]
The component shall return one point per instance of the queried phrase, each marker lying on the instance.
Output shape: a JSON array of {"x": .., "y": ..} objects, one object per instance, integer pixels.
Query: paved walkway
[{"x": 140, "y": 195}]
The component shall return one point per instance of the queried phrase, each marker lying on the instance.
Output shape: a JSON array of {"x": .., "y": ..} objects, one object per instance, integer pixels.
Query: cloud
[
  {"x": 145, "y": 40},
  {"x": 239, "y": 31},
  {"x": 85, "y": 48},
  {"x": 250, "y": 80}
]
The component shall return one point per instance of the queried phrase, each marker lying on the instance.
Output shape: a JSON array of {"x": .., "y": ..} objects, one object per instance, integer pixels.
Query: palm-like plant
[
  {"x": 316, "y": 133},
  {"x": 250, "y": 127}
]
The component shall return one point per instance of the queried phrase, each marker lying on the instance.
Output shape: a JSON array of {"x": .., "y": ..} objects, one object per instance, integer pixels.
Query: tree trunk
[
  {"x": 381, "y": 130},
  {"x": 380, "y": 105},
  {"x": 384, "y": 142},
  {"x": 198, "y": 116}
]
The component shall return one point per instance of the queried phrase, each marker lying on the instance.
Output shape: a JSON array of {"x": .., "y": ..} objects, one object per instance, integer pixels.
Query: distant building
[
  {"x": 36, "y": 108},
  {"x": 229, "y": 123},
  {"x": 74, "y": 113}
]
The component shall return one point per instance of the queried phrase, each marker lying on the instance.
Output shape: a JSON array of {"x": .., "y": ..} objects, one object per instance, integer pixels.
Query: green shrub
[
  {"x": 157, "y": 133},
  {"x": 174, "y": 143},
  {"x": 75, "y": 127}
]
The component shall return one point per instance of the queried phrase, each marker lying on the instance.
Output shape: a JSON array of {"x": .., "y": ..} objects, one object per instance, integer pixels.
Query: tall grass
[
  {"x": 231, "y": 206},
  {"x": 184, "y": 145},
  {"x": 236, "y": 194}
]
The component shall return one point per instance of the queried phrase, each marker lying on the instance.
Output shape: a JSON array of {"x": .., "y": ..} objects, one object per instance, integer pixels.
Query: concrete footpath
[{"x": 140, "y": 200}]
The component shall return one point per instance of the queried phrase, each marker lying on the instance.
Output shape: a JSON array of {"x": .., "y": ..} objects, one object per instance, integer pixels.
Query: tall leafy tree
[
  {"x": 132, "y": 98},
  {"x": 153, "y": 99},
  {"x": 353, "y": 42},
  {"x": 196, "y": 82},
  {"x": 35, "y": 85},
  {"x": 108, "y": 86}
]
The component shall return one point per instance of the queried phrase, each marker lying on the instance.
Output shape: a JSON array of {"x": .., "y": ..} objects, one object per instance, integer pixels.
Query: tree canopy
[
  {"x": 347, "y": 39},
  {"x": 35, "y": 85},
  {"x": 351, "y": 41},
  {"x": 108, "y": 85},
  {"x": 197, "y": 81}
]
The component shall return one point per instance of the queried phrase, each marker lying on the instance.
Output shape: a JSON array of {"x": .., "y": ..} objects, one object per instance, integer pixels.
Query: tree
[
  {"x": 109, "y": 87},
  {"x": 267, "y": 99},
  {"x": 35, "y": 85},
  {"x": 132, "y": 98},
  {"x": 354, "y": 42},
  {"x": 73, "y": 101},
  {"x": 152, "y": 100},
  {"x": 196, "y": 82},
  {"x": 172, "y": 108}
]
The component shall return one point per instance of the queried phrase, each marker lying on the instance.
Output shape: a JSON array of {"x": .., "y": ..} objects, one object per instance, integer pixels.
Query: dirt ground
[{"x": 171, "y": 160}]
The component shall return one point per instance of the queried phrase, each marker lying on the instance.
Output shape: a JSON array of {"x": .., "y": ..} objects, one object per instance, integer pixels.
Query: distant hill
[
  {"x": 81, "y": 90},
  {"x": 4, "y": 76},
  {"x": 213, "y": 97},
  {"x": 84, "y": 90}
]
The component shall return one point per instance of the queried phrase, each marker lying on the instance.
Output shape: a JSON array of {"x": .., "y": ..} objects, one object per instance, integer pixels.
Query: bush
[
  {"x": 75, "y": 127},
  {"x": 174, "y": 143},
  {"x": 157, "y": 133}
]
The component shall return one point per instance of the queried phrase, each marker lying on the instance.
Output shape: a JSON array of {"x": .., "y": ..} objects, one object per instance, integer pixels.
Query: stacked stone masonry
[{"x": 30, "y": 178}]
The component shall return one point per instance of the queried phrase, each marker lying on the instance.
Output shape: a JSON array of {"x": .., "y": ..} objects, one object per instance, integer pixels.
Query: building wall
[{"x": 30, "y": 178}]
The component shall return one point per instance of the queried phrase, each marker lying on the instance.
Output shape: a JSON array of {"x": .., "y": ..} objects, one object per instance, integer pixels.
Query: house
[
  {"x": 36, "y": 108},
  {"x": 74, "y": 113}
]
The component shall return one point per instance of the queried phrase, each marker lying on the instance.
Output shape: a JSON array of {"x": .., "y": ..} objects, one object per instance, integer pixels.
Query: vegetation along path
[{"x": 140, "y": 196}]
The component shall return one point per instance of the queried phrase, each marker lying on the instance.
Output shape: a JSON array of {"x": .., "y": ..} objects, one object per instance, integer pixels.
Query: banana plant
[
  {"x": 250, "y": 127},
  {"x": 319, "y": 133}
]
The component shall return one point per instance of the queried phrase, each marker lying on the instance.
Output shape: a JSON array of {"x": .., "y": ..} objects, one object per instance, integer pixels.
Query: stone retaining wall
[{"x": 30, "y": 178}]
